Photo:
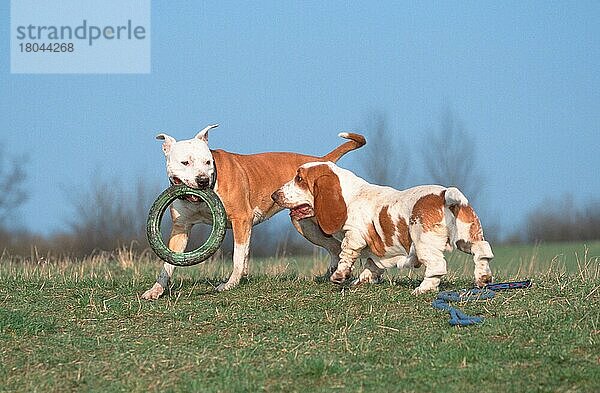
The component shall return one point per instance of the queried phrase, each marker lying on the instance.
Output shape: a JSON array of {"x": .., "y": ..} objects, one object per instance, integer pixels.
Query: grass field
[{"x": 81, "y": 326}]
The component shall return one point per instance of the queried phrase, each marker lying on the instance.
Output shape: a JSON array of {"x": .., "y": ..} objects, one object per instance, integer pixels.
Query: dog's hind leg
[
  {"x": 311, "y": 231},
  {"x": 242, "y": 230},
  {"x": 178, "y": 241}
]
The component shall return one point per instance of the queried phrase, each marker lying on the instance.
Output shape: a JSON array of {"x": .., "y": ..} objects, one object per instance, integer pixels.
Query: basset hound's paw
[
  {"x": 423, "y": 289},
  {"x": 483, "y": 280},
  {"x": 340, "y": 275}
]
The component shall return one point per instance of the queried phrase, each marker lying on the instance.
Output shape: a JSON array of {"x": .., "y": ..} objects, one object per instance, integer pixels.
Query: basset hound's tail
[
  {"x": 454, "y": 197},
  {"x": 355, "y": 141}
]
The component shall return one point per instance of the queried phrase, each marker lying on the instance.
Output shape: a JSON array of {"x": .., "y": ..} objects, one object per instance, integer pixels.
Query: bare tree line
[
  {"x": 111, "y": 214},
  {"x": 448, "y": 156},
  {"x": 12, "y": 183},
  {"x": 385, "y": 160},
  {"x": 563, "y": 219}
]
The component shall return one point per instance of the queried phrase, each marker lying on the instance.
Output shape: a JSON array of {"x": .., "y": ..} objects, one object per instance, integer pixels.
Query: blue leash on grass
[{"x": 458, "y": 317}]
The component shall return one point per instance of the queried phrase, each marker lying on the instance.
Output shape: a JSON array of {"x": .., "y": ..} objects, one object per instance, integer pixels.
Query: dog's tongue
[
  {"x": 300, "y": 212},
  {"x": 192, "y": 198}
]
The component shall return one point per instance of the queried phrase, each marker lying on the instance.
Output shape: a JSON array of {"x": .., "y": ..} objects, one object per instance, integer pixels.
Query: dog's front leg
[
  {"x": 242, "y": 229},
  {"x": 352, "y": 245},
  {"x": 482, "y": 255},
  {"x": 178, "y": 241}
]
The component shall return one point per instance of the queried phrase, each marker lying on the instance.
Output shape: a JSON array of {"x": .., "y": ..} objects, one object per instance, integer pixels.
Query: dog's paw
[
  {"x": 367, "y": 277},
  {"x": 483, "y": 280},
  {"x": 226, "y": 286},
  {"x": 423, "y": 289},
  {"x": 153, "y": 293},
  {"x": 418, "y": 291},
  {"x": 376, "y": 280},
  {"x": 340, "y": 275},
  {"x": 357, "y": 281}
]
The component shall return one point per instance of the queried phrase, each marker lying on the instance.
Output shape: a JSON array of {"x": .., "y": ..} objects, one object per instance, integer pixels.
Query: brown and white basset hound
[
  {"x": 406, "y": 228},
  {"x": 245, "y": 184}
]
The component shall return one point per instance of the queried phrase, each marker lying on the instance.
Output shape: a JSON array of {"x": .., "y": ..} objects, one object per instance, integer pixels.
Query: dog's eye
[
  {"x": 185, "y": 163},
  {"x": 207, "y": 162},
  {"x": 299, "y": 179}
]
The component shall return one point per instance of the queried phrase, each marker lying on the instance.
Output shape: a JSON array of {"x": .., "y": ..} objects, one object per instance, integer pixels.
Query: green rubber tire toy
[{"x": 209, "y": 247}]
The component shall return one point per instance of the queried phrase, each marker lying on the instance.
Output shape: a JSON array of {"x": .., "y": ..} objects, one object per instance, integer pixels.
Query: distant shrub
[{"x": 562, "y": 220}]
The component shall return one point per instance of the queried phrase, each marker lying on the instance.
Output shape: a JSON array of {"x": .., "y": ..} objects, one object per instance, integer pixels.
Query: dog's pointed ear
[
  {"x": 203, "y": 135},
  {"x": 330, "y": 207},
  {"x": 168, "y": 142}
]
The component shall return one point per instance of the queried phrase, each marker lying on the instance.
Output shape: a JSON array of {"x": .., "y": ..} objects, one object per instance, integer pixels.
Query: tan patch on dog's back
[
  {"x": 429, "y": 211},
  {"x": 403, "y": 234},
  {"x": 374, "y": 241},
  {"x": 387, "y": 226},
  {"x": 467, "y": 215},
  {"x": 246, "y": 182}
]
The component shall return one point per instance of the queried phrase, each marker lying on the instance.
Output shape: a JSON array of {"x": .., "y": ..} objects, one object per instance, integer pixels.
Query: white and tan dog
[
  {"x": 390, "y": 227},
  {"x": 245, "y": 184}
]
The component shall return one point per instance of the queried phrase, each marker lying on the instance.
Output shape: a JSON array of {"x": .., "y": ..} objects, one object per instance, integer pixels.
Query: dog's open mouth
[
  {"x": 189, "y": 198},
  {"x": 192, "y": 198},
  {"x": 302, "y": 211}
]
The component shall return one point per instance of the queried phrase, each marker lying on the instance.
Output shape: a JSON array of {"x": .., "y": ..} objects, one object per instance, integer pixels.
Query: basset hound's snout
[{"x": 276, "y": 196}]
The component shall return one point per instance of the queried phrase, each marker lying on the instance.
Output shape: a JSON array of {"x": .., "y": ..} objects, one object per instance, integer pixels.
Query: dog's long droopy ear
[
  {"x": 330, "y": 207},
  {"x": 168, "y": 142},
  {"x": 203, "y": 135}
]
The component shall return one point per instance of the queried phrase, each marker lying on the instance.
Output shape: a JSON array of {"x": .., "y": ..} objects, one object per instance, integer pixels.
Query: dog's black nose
[
  {"x": 275, "y": 196},
  {"x": 202, "y": 181}
]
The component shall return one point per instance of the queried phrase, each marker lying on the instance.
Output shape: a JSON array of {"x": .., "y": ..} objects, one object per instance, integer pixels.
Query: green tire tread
[{"x": 209, "y": 247}]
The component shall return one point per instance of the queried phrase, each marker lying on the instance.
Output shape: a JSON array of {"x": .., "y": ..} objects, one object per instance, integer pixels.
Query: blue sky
[{"x": 522, "y": 76}]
